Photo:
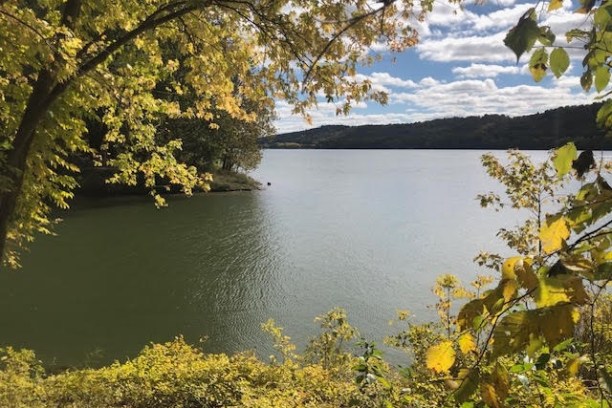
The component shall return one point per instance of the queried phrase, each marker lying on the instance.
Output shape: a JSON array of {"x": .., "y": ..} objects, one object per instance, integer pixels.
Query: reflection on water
[
  {"x": 120, "y": 276},
  {"x": 365, "y": 230}
]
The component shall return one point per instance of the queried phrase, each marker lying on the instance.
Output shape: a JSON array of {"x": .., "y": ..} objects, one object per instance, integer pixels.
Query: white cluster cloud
[
  {"x": 477, "y": 73},
  {"x": 474, "y": 97},
  {"x": 386, "y": 79},
  {"x": 485, "y": 71},
  {"x": 488, "y": 48}
]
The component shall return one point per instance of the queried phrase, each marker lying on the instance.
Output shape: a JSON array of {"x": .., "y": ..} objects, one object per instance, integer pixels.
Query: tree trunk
[
  {"x": 37, "y": 106},
  {"x": 43, "y": 94}
]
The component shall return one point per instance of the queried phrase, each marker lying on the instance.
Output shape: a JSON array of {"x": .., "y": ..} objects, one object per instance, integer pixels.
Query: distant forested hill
[{"x": 545, "y": 130}]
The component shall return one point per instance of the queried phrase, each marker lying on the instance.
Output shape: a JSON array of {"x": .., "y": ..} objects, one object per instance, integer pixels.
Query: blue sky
[{"x": 461, "y": 68}]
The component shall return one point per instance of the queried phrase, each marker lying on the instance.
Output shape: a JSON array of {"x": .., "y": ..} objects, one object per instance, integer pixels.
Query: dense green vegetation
[{"x": 546, "y": 130}]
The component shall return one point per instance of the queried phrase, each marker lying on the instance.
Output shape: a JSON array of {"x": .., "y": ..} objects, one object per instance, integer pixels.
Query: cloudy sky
[{"x": 461, "y": 68}]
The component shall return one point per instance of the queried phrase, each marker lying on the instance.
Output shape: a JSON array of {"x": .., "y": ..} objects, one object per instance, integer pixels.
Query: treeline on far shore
[{"x": 545, "y": 130}]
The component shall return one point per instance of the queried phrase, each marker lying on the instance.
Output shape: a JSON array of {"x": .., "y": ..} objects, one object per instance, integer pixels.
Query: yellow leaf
[
  {"x": 555, "y": 4},
  {"x": 538, "y": 72},
  {"x": 561, "y": 289},
  {"x": 489, "y": 395},
  {"x": 508, "y": 267},
  {"x": 553, "y": 235},
  {"x": 574, "y": 365},
  {"x": 509, "y": 289},
  {"x": 557, "y": 323},
  {"x": 467, "y": 343},
  {"x": 501, "y": 381},
  {"x": 441, "y": 357}
]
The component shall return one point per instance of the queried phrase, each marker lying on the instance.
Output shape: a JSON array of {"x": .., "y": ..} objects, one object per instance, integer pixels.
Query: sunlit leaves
[
  {"x": 553, "y": 234},
  {"x": 578, "y": 265},
  {"x": 559, "y": 61},
  {"x": 441, "y": 357},
  {"x": 537, "y": 64},
  {"x": 516, "y": 330},
  {"x": 489, "y": 395},
  {"x": 560, "y": 289},
  {"x": 467, "y": 343},
  {"x": 602, "y": 78},
  {"x": 563, "y": 158},
  {"x": 555, "y": 4},
  {"x": 602, "y": 16},
  {"x": 508, "y": 267},
  {"x": 604, "y": 114}
]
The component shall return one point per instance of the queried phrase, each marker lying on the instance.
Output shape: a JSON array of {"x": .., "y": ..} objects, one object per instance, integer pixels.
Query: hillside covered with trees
[{"x": 545, "y": 130}]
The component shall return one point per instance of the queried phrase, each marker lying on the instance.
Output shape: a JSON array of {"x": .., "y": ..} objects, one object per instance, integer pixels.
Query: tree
[
  {"x": 227, "y": 143},
  {"x": 64, "y": 61},
  {"x": 540, "y": 337}
]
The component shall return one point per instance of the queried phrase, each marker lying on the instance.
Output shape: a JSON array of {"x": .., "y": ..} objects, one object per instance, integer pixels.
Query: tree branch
[{"x": 338, "y": 34}]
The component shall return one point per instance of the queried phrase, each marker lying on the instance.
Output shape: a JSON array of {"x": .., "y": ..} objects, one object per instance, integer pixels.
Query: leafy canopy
[{"x": 62, "y": 62}]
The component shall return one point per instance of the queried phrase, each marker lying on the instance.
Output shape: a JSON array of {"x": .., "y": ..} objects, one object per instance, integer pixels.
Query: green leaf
[
  {"x": 576, "y": 33},
  {"x": 559, "y": 61},
  {"x": 602, "y": 209},
  {"x": 512, "y": 333},
  {"x": 563, "y": 158},
  {"x": 557, "y": 323},
  {"x": 602, "y": 78},
  {"x": 604, "y": 271},
  {"x": 604, "y": 114},
  {"x": 547, "y": 37},
  {"x": 586, "y": 80},
  {"x": 602, "y": 17},
  {"x": 467, "y": 317},
  {"x": 579, "y": 218},
  {"x": 537, "y": 64},
  {"x": 521, "y": 37},
  {"x": 470, "y": 379},
  {"x": 563, "y": 345},
  {"x": 517, "y": 330}
]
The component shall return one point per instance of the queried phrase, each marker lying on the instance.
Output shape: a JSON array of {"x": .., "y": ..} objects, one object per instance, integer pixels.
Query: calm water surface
[{"x": 365, "y": 230}]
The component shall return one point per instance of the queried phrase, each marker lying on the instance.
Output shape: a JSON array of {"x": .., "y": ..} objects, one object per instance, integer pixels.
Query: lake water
[{"x": 365, "y": 230}]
